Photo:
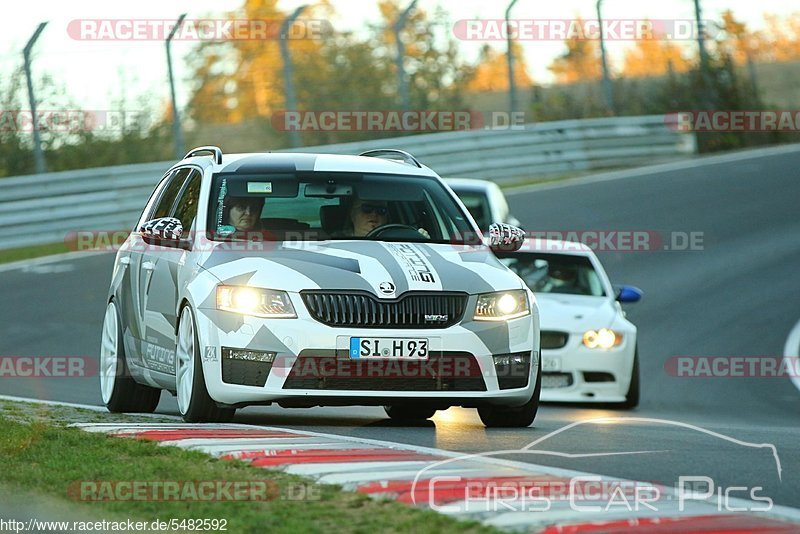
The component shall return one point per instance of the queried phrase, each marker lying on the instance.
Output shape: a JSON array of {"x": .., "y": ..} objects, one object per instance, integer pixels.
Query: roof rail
[
  {"x": 215, "y": 151},
  {"x": 386, "y": 153}
]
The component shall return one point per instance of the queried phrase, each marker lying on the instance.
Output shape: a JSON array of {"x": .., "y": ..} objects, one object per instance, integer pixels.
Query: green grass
[
  {"x": 35, "y": 251},
  {"x": 45, "y": 458}
]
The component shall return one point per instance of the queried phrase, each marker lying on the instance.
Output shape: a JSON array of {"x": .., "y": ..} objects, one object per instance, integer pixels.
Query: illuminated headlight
[
  {"x": 602, "y": 339},
  {"x": 502, "y": 306},
  {"x": 255, "y": 301}
]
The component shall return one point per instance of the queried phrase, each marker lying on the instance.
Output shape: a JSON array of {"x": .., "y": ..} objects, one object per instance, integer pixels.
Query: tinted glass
[
  {"x": 319, "y": 206},
  {"x": 167, "y": 200},
  {"x": 555, "y": 273}
]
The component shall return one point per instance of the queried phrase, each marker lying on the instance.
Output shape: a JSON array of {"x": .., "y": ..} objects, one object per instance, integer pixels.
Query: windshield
[
  {"x": 478, "y": 207},
  {"x": 323, "y": 206},
  {"x": 556, "y": 273}
]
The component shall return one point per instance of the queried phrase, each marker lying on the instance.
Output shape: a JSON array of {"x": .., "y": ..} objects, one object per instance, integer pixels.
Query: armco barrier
[{"x": 44, "y": 208}]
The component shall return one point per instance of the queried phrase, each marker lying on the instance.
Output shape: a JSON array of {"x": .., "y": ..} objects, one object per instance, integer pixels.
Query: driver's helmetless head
[{"x": 366, "y": 215}]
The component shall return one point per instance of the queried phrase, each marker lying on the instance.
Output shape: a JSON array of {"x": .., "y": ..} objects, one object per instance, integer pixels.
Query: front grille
[
  {"x": 553, "y": 340},
  {"x": 347, "y": 309},
  {"x": 448, "y": 371}
]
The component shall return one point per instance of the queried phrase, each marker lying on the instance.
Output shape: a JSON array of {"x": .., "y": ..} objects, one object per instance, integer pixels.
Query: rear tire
[
  {"x": 409, "y": 413},
  {"x": 194, "y": 402},
  {"x": 120, "y": 392},
  {"x": 516, "y": 417},
  {"x": 632, "y": 397}
]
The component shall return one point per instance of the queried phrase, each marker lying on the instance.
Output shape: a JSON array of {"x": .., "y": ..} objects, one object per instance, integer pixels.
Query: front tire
[
  {"x": 194, "y": 402},
  {"x": 409, "y": 413},
  {"x": 516, "y": 417},
  {"x": 120, "y": 392},
  {"x": 632, "y": 397}
]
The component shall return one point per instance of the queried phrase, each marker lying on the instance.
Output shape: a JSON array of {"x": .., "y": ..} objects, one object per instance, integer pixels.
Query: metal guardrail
[{"x": 45, "y": 208}]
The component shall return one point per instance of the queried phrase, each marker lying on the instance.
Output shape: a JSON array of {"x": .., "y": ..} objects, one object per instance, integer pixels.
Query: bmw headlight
[
  {"x": 602, "y": 339},
  {"x": 502, "y": 305},
  {"x": 255, "y": 301}
]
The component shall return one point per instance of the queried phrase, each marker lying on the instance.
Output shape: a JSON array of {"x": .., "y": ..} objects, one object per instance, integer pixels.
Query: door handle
[
  {"x": 148, "y": 266},
  {"x": 125, "y": 260}
]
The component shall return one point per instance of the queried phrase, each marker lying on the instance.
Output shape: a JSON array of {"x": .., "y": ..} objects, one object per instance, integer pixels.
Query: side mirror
[
  {"x": 162, "y": 229},
  {"x": 505, "y": 237},
  {"x": 628, "y": 294}
]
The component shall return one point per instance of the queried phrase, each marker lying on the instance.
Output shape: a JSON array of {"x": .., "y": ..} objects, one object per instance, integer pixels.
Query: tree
[
  {"x": 491, "y": 73},
  {"x": 581, "y": 61},
  {"x": 654, "y": 57}
]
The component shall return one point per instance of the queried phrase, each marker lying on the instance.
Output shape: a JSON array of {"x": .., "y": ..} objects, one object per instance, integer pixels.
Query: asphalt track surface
[{"x": 738, "y": 296}]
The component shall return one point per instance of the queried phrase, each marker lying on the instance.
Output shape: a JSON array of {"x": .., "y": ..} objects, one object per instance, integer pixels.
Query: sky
[{"x": 98, "y": 73}]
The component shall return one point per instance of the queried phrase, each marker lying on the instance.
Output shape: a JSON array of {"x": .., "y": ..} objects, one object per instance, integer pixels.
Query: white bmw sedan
[
  {"x": 313, "y": 279},
  {"x": 589, "y": 351}
]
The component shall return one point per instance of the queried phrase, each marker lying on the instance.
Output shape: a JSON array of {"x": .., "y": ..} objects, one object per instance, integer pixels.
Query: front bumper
[
  {"x": 576, "y": 373},
  {"x": 328, "y": 348}
]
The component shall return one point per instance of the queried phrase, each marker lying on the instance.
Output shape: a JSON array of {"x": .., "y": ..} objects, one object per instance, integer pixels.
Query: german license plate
[
  {"x": 550, "y": 381},
  {"x": 551, "y": 363},
  {"x": 387, "y": 347}
]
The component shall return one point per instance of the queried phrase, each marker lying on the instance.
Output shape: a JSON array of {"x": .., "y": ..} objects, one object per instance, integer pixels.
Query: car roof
[
  {"x": 469, "y": 184},
  {"x": 550, "y": 246},
  {"x": 300, "y": 161}
]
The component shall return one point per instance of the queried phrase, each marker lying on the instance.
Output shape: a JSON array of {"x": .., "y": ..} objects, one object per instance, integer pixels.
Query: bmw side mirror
[
  {"x": 162, "y": 229},
  {"x": 628, "y": 294},
  {"x": 505, "y": 237}
]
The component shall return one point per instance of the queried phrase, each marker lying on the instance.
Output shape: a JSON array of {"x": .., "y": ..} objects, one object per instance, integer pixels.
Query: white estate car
[
  {"x": 589, "y": 349},
  {"x": 484, "y": 199},
  {"x": 246, "y": 281}
]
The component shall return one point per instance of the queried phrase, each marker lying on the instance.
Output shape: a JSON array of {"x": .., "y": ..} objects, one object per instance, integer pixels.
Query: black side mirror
[{"x": 505, "y": 237}]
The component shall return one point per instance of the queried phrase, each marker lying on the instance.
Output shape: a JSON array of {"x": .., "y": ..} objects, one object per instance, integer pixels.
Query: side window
[
  {"x": 186, "y": 210},
  {"x": 148, "y": 209},
  {"x": 167, "y": 200}
]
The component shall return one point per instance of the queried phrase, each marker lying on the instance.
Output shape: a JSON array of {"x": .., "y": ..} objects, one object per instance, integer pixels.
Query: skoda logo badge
[{"x": 387, "y": 288}]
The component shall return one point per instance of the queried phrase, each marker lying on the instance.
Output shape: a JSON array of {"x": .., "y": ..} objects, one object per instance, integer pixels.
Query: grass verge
[
  {"x": 44, "y": 457},
  {"x": 35, "y": 251}
]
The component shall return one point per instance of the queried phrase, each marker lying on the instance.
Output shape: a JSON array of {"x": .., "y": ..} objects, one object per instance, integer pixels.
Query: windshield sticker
[
  {"x": 225, "y": 229},
  {"x": 259, "y": 187},
  {"x": 223, "y": 190}
]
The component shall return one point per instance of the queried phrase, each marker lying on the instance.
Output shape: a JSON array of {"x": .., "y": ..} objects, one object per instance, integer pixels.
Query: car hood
[
  {"x": 383, "y": 268},
  {"x": 574, "y": 313}
]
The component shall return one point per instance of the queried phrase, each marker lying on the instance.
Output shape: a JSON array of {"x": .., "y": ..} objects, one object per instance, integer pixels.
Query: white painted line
[
  {"x": 699, "y": 161},
  {"x": 44, "y": 260},
  {"x": 319, "y": 470},
  {"x": 221, "y": 450},
  {"x": 792, "y": 350},
  {"x": 353, "y": 480},
  {"x": 254, "y": 443}
]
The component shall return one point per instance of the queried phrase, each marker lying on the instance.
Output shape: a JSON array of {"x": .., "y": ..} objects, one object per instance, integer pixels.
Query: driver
[
  {"x": 563, "y": 278},
  {"x": 366, "y": 215}
]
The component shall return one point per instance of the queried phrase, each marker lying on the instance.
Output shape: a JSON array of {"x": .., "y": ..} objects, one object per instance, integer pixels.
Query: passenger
[{"x": 243, "y": 213}]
